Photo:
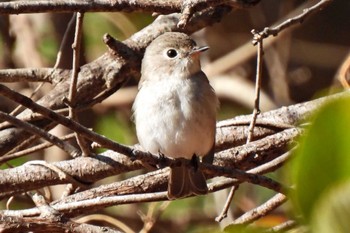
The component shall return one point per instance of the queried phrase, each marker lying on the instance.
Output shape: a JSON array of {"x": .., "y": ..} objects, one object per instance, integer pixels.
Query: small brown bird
[{"x": 175, "y": 110}]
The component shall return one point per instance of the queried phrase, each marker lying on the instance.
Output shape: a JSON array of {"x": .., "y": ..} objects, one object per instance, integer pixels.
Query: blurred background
[{"x": 300, "y": 63}]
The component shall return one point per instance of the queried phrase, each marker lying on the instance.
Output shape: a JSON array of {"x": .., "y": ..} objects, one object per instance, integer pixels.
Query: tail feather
[
  {"x": 198, "y": 181},
  {"x": 185, "y": 181}
]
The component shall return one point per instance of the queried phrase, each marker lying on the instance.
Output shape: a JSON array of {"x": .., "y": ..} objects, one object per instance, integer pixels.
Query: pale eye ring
[{"x": 171, "y": 53}]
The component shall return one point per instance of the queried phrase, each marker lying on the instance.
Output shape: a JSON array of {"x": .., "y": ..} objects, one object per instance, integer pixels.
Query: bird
[{"x": 175, "y": 110}]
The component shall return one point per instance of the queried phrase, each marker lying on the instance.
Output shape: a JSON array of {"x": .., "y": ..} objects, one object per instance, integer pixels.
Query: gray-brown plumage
[{"x": 175, "y": 109}]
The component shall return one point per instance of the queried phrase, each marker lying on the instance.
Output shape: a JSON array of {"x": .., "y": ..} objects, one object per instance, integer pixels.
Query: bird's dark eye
[{"x": 171, "y": 53}]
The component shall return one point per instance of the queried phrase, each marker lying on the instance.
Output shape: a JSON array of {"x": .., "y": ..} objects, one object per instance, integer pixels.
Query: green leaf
[
  {"x": 332, "y": 211},
  {"x": 322, "y": 159}
]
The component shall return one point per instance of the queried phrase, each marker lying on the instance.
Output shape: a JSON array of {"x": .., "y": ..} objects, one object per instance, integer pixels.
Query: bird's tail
[{"x": 185, "y": 181}]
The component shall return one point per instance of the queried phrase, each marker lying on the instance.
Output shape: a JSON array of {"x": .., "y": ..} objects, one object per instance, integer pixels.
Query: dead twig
[
  {"x": 33, "y": 149},
  {"x": 85, "y": 148},
  {"x": 307, "y": 12},
  {"x": 70, "y": 149},
  {"x": 261, "y": 210}
]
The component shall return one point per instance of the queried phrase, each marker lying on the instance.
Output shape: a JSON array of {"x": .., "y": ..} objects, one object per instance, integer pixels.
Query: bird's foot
[
  {"x": 162, "y": 160},
  {"x": 195, "y": 162}
]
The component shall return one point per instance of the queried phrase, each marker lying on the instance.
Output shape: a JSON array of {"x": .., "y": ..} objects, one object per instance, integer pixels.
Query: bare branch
[
  {"x": 109, "y": 163},
  {"x": 70, "y": 149},
  {"x": 268, "y": 31},
  {"x": 229, "y": 132},
  {"x": 86, "y": 169},
  {"x": 84, "y": 146},
  {"x": 18, "y": 224},
  {"x": 32, "y": 149},
  {"x": 97, "y": 199},
  {"x": 262, "y": 210},
  {"x": 61, "y": 174},
  {"x": 32, "y": 75},
  {"x": 25, "y": 101},
  {"x": 160, "y": 6},
  {"x": 75, "y": 67},
  {"x": 32, "y": 117},
  {"x": 226, "y": 207},
  {"x": 283, "y": 227}
]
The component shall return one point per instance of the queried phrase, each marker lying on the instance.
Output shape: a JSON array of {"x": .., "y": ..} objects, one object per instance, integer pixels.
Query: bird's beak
[{"x": 197, "y": 50}]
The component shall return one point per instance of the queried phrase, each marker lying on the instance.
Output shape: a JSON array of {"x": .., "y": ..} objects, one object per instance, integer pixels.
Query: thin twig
[
  {"x": 16, "y": 111},
  {"x": 64, "y": 41},
  {"x": 261, "y": 123},
  {"x": 255, "y": 114},
  {"x": 283, "y": 227},
  {"x": 153, "y": 214},
  {"x": 31, "y": 139},
  {"x": 261, "y": 210},
  {"x": 268, "y": 31},
  {"x": 75, "y": 67},
  {"x": 70, "y": 149},
  {"x": 189, "y": 7},
  {"x": 243, "y": 176},
  {"x": 246, "y": 51},
  {"x": 19, "y": 107},
  {"x": 33, "y": 149},
  {"x": 256, "y": 110},
  {"x": 267, "y": 167},
  {"x": 74, "y": 79},
  {"x": 32, "y": 117},
  {"x": 76, "y": 127},
  {"x": 105, "y": 218},
  {"x": 99, "y": 98},
  {"x": 226, "y": 207},
  {"x": 273, "y": 165}
]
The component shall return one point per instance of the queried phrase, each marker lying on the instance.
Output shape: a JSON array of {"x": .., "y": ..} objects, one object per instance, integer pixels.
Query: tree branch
[
  {"x": 159, "y": 6},
  {"x": 262, "y": 210},
  {"x": 20, "y": 224},
  {"x": 90, "y": 169},
  {"x": 33, "y": 75}
]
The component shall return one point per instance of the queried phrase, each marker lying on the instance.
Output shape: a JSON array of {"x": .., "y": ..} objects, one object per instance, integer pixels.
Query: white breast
[{"x": 176, "y": 117}]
